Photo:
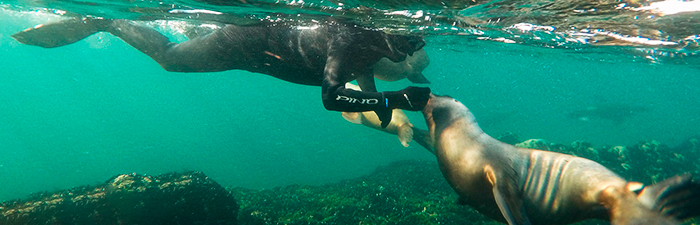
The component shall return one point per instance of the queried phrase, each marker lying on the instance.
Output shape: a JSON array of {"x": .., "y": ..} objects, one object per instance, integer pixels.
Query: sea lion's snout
[
  {"x": 428, "y": 109},
  {"x": 437, "y": 101},
  {"x": 441, "y": 96},
  {"x": 430, "y": 104},
  {"x": 440, "y": 108}
]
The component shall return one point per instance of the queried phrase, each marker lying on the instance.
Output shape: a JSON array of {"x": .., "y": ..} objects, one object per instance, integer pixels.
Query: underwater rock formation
[
  {"x": 403, "y": 193},
  {"x": 534, "y": 144},
  {"x": 184, "y": 198}
]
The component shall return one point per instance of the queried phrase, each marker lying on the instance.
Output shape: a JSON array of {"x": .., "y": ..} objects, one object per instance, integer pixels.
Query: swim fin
[{"x": 61, "y": 33}]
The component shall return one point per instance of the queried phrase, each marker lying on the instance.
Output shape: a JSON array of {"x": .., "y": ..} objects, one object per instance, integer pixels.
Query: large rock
[
  {"x": 176, "y": 198},
  {"x": 402, "y": 193}
]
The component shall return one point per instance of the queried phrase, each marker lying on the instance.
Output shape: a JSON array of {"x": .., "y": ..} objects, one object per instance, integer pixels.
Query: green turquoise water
[{"x": 83, "y": 113}]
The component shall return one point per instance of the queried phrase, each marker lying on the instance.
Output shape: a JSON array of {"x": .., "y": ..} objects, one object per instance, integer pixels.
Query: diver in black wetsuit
[{"x": 328, "y": 54}]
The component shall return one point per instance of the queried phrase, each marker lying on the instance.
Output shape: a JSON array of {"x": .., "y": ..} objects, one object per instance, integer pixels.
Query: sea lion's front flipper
[
  {"x": 511, "y": 206},
  {"x": 60, "y": 33},
  {"x": 405, "y": 133},
  {"x": 423, "y": 138},
  {"x": 353, "y": 117}
]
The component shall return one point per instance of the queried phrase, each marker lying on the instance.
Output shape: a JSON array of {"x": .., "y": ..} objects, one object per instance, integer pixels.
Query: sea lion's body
[
  {"x": 550, "y": 183},
  {"x": 410, "y": 68},
  {"x": 527, "y": 186}
]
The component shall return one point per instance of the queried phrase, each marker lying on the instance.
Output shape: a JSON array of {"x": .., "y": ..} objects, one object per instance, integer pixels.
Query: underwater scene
[{"x": 97, "y": 132}]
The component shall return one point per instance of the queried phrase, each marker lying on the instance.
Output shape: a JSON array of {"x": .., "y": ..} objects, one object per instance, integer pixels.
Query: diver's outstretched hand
[{"x": 411, "y": 98}]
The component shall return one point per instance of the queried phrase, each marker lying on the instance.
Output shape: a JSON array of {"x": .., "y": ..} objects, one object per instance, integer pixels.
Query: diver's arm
[{"x": 338, "y": 98}]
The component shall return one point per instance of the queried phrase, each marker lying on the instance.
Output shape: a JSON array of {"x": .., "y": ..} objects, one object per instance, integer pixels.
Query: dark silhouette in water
[
  {"x": 328, "y": 53},
  {"x": 616, "y": 113}
]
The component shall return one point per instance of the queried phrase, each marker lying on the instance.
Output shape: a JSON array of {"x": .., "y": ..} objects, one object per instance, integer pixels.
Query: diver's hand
[
  {"x": 384, "y": 116},
  {"x": 410, "y": 98}
]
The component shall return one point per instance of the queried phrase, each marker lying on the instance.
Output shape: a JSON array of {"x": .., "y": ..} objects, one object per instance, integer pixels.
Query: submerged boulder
[
  {"x": 175, "y": 198},
  {"x": 534, "y": 144}
]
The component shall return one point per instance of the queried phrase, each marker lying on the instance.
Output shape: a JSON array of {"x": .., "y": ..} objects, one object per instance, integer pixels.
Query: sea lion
[
  {"x": 527, "y": 186},
  {"x": 411, "y": 68},
  {"x": 399, "y": 124}
]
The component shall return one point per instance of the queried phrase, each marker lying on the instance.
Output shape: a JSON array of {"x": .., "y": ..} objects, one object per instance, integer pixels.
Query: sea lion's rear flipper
[
  {"x": 625, "y": 208},
  {"x": 511, "y": 206},
  {"x": 423, "y": 138},
  {"x": 677, "y": 196},
  {"x": 60, "y": 33}
]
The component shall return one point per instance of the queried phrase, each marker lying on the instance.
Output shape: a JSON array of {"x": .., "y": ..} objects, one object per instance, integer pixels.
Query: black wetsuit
[{"x": 327, "y": 54}]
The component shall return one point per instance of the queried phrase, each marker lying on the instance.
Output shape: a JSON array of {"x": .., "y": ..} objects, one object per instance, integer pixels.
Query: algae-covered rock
[
  {"x": 585, "y": 150},
  {"x": 620, "y": 152},
  {"x": 561, "y": 148},
  {"x": 406, "y": 192},
  {"x": 402, "y": 193},
  {"x": 176, "y": 198},
  {"x": 534, "y": 144}
]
